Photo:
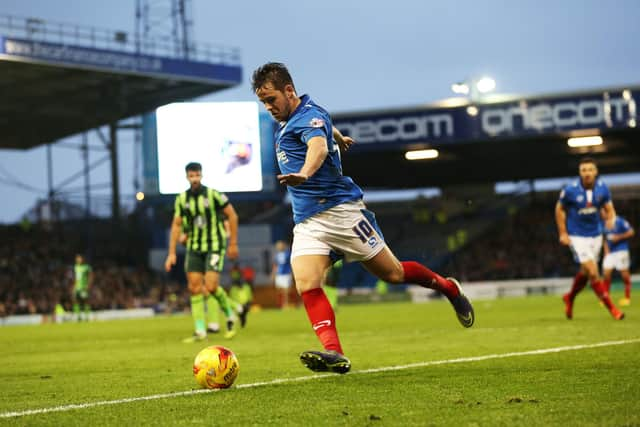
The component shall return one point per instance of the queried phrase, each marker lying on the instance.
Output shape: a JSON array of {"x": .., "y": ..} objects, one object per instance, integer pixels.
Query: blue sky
[{"x": 358, "y": 55}]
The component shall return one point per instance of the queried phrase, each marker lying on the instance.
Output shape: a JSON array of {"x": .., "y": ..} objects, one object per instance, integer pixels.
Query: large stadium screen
[{"x": 223, "y": 136}]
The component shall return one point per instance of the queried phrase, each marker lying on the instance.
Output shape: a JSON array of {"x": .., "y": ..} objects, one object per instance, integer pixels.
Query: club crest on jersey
[{"x": 316, "y": 123}]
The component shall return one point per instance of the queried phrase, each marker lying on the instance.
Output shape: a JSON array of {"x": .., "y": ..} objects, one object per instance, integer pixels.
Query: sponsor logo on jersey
[
  {"x": 282, "y": 157},
  {"x": 316, "y": 123},
  {"x": 588, "y": 210}
]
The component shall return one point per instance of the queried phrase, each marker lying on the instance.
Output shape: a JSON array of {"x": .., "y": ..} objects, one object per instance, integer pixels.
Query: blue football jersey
[
  {"x": 283, "y": 262},
  {"x": 621, "y": 226},
  {"x": 583, "y": 207},
  {"x": 327, "y": 187}
]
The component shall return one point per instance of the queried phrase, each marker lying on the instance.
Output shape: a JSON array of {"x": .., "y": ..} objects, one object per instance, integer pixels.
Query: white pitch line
[{"x": 64, "y": 408}]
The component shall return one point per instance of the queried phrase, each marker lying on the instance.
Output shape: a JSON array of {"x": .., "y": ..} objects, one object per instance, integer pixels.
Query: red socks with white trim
[{"x": 322, "y": 318}]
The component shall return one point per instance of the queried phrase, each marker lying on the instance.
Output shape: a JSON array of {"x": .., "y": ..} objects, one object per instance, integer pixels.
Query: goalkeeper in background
[{"x": 82, "y": 280}]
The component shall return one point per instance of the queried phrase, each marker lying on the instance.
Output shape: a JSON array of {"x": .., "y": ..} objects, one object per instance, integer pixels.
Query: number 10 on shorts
[{"x": 364, "y": 231}]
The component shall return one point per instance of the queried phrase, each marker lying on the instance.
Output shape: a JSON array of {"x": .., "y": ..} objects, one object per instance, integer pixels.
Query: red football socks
[
  {"x": 579, "y": 282},
  {"x": 627, "y": 288},
  {"x": 322, "y": 318},
  {"x": 601, "y": 292},
  {"x": 419, "y": 274}
]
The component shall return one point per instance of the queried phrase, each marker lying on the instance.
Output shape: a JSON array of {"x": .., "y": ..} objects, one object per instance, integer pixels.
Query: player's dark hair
[
  {"x": 587, "y": 160},
  {"x": 275, "y": 73},
  {"x": 193, "y": 166}
]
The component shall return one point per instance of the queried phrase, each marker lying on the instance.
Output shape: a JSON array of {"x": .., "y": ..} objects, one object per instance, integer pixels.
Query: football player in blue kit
[
  {"x": 579, "y": 225},
  {"x": 331, "y": 220},
  {"x": 616, "y": 255},
  {"x": 281, "y": 272}
]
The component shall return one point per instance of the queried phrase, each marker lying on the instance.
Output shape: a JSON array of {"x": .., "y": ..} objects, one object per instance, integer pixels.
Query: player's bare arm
[
  {"x": 176, "y": 226},
  {"x": 344, "y": 142},
  {"x": 316, "y": 154},
  {"x": 622, "y": 236},
  {"x": 609, "y": 213},
  {"x": 561, "y": 223},
  {"x": 232, "y": 217}
]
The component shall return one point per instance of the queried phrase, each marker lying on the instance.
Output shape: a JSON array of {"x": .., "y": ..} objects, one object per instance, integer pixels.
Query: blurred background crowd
[{"x": 494, "y": 239}]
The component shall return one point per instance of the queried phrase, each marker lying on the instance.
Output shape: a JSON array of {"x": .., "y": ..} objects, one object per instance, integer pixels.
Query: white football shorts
[
  {"x": 283, "y": 281},
  {"x": 586, "y": 248},
  {"x": 618, "y": 260},
  {"x": 348, "y": 229}
]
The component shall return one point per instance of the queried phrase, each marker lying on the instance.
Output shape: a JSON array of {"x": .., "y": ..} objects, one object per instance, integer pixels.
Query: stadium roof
[
  {"x": 509, "y": 139},
  {"x": 56, "y": 83}
]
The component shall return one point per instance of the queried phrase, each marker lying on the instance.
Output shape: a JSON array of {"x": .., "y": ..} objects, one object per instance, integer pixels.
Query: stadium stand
[{"x": 468, "y": 230}]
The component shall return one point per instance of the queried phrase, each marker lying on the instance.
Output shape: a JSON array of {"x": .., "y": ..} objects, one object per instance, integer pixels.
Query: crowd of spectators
[
  {"x": 36, "y": 261},
  {"x": 36, "y": 271}
]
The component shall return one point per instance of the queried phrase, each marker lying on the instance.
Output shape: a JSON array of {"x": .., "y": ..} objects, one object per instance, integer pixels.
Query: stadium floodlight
[
  {"x": 474, "y": 87},
  {"x": 472, "y": 110},
  {"x": 584, "y": 141},
  {"x": 461, "y": 88},
  {"x": 485, "y": 84},
  {"x": 421, "y": 154}
]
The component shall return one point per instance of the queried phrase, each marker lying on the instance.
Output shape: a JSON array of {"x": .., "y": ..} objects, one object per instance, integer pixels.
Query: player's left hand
[
  {"x": 292, "y": 179},
  {"x": 345, "y": 143},
  {"x": 232, "y": 251}
]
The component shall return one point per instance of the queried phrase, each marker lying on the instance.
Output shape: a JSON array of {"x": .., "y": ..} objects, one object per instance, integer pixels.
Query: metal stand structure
[{"x": 158, "y": 23}]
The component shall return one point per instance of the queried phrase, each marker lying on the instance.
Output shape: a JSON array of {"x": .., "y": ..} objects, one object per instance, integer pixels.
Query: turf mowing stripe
[{"x": 311, "y": 377}]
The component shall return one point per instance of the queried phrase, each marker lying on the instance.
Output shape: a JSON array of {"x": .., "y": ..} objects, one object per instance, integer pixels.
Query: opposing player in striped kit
[{"x": 199, "y": 213}]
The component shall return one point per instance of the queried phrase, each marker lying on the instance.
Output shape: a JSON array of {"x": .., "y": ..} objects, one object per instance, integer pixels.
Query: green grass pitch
[{"x": 54, "y": 366}]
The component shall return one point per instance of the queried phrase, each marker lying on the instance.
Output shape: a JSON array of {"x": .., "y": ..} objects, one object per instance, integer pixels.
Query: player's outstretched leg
[
  {"x": 417, "y": 273},
  {"x": 325, "y": 361},
  {"x": 462, "y": 305}
]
